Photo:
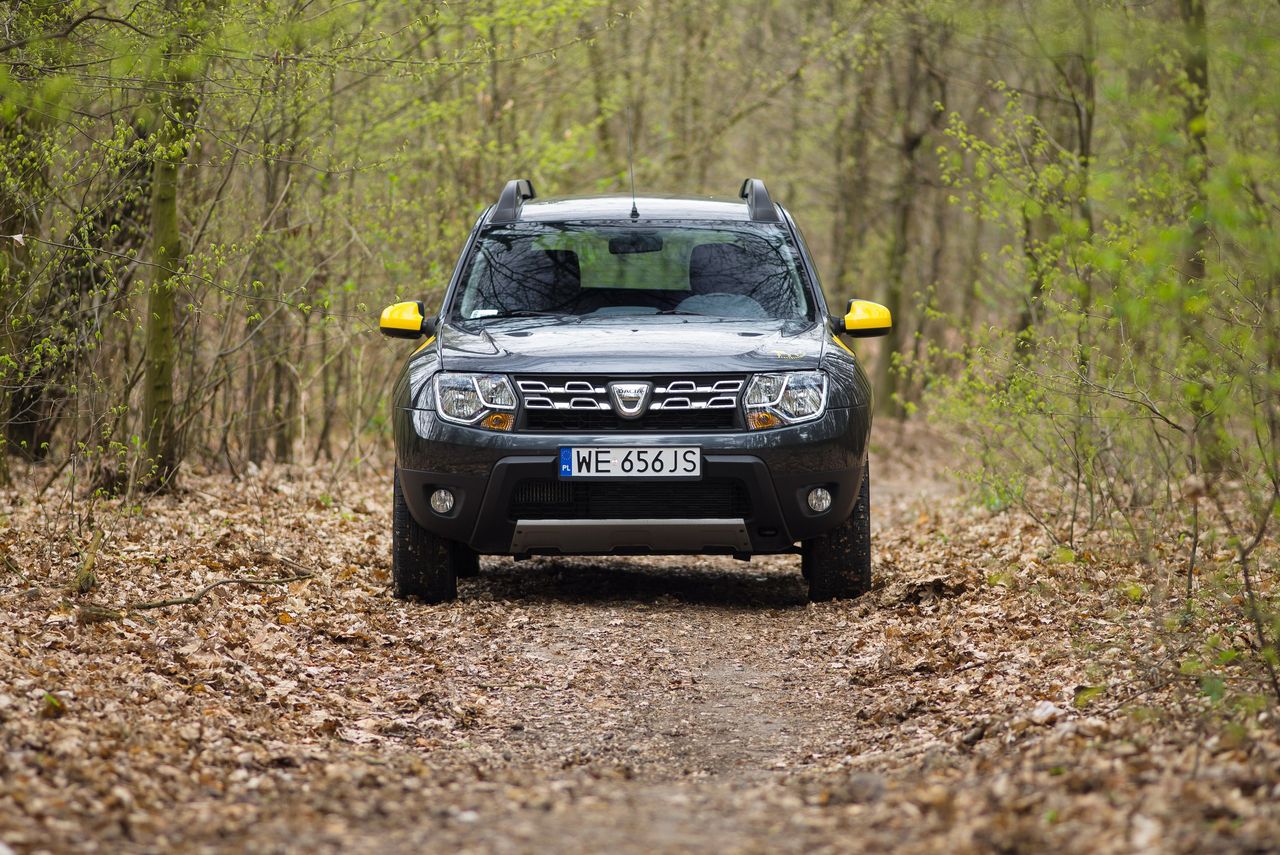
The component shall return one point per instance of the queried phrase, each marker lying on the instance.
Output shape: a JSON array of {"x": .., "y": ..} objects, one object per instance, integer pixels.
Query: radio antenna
[{"x": 631, "y": 166}]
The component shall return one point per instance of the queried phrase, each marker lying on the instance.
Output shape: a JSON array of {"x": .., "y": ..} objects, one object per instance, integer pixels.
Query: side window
[
  {"x": 454, "y": 290},
  {"x": 812, "y": 268}
]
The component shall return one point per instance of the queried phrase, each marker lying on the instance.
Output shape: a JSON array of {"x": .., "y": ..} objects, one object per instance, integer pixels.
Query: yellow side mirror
[
  {"x": 866, "y": 319},
  {"x": 404, "y": 320}
]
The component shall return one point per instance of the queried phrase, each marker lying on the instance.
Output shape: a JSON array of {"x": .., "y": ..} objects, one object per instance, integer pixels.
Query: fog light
[
  {"x": 442, "y": 501},
  {"x": 819, "y": 499}
]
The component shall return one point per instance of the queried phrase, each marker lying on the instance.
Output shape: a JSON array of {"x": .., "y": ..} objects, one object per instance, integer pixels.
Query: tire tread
[
  {"x": 422, "y": 564},
  {"x": 838, "y": 564}
]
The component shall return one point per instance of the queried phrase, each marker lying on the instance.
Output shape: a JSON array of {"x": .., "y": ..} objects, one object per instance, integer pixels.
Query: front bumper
[{"x": 776, "y": 469}]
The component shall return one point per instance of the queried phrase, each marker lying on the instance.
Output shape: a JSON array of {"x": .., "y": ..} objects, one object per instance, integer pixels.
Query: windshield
[{"x": 723, "y": 270}]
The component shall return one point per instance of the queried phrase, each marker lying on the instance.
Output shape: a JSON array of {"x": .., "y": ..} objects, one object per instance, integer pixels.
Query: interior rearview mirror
[
  {"x": 405, "y": 320},
  {"x": 865, "y": 319}
]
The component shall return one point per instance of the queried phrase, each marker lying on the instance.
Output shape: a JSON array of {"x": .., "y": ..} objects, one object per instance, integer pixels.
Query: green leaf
[
  {"x": 1086, "y": 694},
  {"x": 1212, "y": 687},
  {"x": 51, "y": 706},
  {"x": 1001, "y": 578}
]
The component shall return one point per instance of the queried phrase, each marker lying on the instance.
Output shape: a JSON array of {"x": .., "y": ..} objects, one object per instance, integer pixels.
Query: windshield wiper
[
  {"x": 520, "y": 313},
  {"x": 684, "y": 312}
]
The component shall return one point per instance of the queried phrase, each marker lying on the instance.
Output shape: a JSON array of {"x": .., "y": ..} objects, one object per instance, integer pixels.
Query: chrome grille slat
[{"x": 687, "y": 403}]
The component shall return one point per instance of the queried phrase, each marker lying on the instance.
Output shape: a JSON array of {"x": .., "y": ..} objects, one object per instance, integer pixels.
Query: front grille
[
  {"x": 689, "y": 421},
  {"x": 687, "y": 403},
  {"x": 711, "y": 498}
]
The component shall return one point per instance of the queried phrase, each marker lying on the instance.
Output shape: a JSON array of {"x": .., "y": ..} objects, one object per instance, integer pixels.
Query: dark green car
[{"x": 619, "y": 375}]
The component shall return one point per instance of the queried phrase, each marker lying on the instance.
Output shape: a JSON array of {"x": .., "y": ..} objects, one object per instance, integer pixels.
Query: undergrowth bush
[{"x": 1140, "y": 390}]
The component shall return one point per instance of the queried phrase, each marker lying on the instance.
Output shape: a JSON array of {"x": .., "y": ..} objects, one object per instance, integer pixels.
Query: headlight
[
  {"x": 483, "y": 400},
  {"x": 783, "y": 399}
]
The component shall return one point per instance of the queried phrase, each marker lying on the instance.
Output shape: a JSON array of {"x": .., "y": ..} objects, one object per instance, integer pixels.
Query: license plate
[{"x": 629, "y": 462}]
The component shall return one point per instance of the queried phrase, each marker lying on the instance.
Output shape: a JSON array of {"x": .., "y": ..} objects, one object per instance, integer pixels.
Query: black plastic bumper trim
[{"x": 780, "y": 513}]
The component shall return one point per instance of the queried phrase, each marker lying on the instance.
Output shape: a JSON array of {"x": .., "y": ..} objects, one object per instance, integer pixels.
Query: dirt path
[
  {"x": 711, "y": 700},
  {"x": 623, "y": 705}
]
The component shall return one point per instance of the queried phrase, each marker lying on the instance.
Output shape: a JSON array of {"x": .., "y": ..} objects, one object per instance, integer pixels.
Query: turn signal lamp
[{"x": 499, "y": 421}]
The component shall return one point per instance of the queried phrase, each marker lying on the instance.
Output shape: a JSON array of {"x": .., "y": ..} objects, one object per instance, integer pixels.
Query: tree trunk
[
  {"x": 166, "y": 258},
  {"x": 848, "y": 224},
  {"x": 600, "y": 79},
  {"x": 177, "y": 113},
  {"x": 903, "y": 205},
  {"x": 1195, "y": 64},
  {"x": 1195, "y": 109}
]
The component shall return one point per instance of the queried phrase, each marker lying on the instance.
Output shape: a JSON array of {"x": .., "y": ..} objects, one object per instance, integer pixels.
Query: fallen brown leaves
[{"x": 988, "y": 694}]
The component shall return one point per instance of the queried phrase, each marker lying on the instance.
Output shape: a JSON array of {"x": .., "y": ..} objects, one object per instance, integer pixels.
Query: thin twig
[
  {"x": 195, "y": 599},
  {"x": 91, "y": 613}
]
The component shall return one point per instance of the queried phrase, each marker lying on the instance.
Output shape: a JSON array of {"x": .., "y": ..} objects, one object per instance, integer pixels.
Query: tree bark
[
  {"x": 1195, "y": 64},
  {"x": 166, "y": 258},
  {"x": 848, "y": 225},
  {"x": 177, "y": 111},
  {"x": 903, "y": 205}
]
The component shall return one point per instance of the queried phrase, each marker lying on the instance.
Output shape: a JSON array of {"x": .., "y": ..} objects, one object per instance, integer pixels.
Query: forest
[{"x": 1070, "y": 207}]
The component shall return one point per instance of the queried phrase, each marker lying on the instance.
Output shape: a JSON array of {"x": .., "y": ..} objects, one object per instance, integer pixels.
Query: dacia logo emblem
[{"x": 630, "y": 399}]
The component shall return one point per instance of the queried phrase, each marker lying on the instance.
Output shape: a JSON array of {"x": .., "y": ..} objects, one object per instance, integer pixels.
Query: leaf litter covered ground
[{"x": 991, "y": 694}]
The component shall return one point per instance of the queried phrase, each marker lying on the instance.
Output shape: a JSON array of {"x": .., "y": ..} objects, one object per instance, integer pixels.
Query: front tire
[
  {"x": 423, "y": 564},
  {"x": 838, "y": 563},
  {"x": 467, "y": 563}
]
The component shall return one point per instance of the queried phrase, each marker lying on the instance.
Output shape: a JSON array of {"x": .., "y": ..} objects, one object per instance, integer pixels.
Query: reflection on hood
[{"x": 633, "y": 345}]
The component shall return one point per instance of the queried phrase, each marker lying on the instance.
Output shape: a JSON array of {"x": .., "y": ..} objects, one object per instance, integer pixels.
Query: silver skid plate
[{"x": 657, "y": 536}]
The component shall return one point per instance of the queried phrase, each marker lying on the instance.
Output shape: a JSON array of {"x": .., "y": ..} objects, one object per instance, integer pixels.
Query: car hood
[{"x": 631, "y": 345}]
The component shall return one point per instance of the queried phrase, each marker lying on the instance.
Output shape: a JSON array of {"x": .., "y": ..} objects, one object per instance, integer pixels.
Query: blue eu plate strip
[{"x": 566, "y": 461}]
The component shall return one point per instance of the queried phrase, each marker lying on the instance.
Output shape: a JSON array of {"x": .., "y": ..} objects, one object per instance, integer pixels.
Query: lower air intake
[{"x": 548, "y": 499}]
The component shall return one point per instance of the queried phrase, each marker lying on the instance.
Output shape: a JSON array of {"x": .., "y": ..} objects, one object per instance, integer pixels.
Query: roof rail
[
  {"x": 759, "y": 206},
  {"x": 513, "y": 197}
]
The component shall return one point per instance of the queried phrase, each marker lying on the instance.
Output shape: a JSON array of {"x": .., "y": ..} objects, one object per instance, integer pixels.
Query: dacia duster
[{"x": 623, "y": 375}]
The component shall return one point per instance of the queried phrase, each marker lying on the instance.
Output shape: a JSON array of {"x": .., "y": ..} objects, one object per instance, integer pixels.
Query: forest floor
[{"x": 991, "y": 694}]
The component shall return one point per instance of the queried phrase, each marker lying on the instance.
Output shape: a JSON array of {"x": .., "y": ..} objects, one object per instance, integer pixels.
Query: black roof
[
  {"x": 618, "y": 207},
  {"x": 519, "y": 202}
]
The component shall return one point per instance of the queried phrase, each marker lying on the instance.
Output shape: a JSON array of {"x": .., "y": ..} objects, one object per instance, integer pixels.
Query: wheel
[
  {"x": 838, "y": 563},
  {"x": 423, "y": 565},
  {"x": 467, "y": 562}
]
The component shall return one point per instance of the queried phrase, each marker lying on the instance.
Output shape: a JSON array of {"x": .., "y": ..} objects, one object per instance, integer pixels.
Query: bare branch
[
  {"x": 72, "y": 26},
  {"x": 93, "y": 613}
]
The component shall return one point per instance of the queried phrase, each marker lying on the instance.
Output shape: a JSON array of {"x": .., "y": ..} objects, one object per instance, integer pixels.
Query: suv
[{"x": 622, "y": 375}]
